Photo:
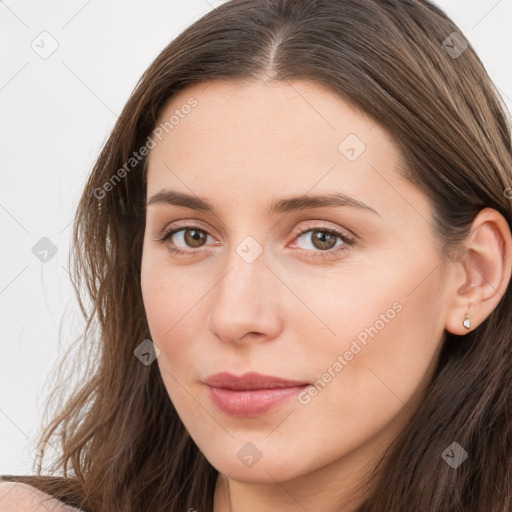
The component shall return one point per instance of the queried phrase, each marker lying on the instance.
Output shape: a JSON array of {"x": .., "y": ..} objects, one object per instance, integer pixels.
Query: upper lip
[{"x": 249, "y": 381}]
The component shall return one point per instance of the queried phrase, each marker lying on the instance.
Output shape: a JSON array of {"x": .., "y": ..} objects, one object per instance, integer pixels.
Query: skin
[
  {"x": 19, "y": 497},
  {"x": 288, "y": 313}
]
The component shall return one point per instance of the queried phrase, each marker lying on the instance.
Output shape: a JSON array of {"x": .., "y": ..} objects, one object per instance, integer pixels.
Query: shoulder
[{"x": 20, "y": 497}]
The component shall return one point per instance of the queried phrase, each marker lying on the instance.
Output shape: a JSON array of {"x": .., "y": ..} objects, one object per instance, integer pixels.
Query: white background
[{"x": 55, "y": 115}]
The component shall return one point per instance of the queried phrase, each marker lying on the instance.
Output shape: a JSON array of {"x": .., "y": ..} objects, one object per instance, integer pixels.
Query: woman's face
[{"x": 353, "y": 306}]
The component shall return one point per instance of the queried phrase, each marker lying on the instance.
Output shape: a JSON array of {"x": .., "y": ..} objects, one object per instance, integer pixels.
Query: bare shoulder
[{"x": 19, "y": 497}]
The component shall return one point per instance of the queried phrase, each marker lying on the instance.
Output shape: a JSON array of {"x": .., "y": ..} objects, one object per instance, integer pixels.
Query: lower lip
[{"x": 246, "y": 404}]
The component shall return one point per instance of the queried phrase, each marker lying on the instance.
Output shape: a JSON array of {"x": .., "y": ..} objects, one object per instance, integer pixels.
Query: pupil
[
  {"x": 324, "y": 239},
  {"x": 193, "y": 236}
]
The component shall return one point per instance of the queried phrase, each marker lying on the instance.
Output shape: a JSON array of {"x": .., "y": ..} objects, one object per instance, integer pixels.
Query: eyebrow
[{"x": 289, "y": 204}]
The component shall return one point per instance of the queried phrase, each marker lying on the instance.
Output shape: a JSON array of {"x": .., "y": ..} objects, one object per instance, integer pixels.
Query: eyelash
[{"x": 347, "y": 241}]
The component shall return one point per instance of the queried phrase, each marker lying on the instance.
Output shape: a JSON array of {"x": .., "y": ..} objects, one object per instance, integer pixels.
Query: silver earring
[{"x": 467, "y": 322}]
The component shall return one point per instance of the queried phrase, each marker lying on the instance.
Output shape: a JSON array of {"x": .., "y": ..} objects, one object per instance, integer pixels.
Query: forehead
[
  {"x": 304, "y": 112},
  {"x": 256, "y": 137}
]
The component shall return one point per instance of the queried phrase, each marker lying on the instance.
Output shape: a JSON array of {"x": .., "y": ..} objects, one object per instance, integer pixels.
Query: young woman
[{"x": 296, "y": 243}]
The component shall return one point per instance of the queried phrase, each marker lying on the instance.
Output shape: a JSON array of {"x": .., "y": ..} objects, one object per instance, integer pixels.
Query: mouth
[{"x": 251, "y": 394}]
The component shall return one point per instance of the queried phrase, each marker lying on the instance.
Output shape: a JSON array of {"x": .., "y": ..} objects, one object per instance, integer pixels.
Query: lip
[{"x": 251, "y": 394}]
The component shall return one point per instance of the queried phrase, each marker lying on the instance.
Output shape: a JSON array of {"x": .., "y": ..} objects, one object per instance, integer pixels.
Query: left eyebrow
[
  {"x": 305, "y": 202},
  {"x": 289, "y": 204}
]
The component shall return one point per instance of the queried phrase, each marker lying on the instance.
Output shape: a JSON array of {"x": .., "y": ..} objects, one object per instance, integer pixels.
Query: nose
[{"x": 246, "y": 302}]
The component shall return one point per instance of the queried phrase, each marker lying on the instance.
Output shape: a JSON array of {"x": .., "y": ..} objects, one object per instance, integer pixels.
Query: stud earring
[{"x": 467, "y": 321}]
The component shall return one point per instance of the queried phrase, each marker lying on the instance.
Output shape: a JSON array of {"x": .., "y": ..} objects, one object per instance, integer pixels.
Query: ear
[{"x": 482, "y": 273}]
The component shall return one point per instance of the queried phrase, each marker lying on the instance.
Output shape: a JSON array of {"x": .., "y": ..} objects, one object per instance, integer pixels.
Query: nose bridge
[
  {"x": 246, "y": 264},
  {"x": 244, "y": 300},
  {"x": 245, "y": 261}
]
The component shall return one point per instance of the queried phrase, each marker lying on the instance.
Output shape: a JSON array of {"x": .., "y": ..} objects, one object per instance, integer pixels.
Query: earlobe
[{"x": 483, "y": 272}]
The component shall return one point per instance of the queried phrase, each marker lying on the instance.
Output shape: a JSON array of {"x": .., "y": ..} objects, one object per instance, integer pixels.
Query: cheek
[
  {"x": 162, "y": 293},
  {"x": 159, "y": 299},
  {"x": 173, "y": 301},
  {"x": 388, "y": 345},
  {"x": 379, "y": 337},
  {"x": 167, "y": 317}
]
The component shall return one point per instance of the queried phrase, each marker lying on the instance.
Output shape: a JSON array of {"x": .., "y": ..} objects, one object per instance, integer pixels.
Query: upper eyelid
[
  {"x": 310, "y": 225},
  {"x": 184, "y": 226}
]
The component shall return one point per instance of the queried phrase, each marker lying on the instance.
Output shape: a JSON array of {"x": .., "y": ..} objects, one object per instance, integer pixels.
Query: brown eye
[
  {"x": 194, "y": 238},
  {"x": 184, "y": 240},
  {"x": 323, "y": 240}
]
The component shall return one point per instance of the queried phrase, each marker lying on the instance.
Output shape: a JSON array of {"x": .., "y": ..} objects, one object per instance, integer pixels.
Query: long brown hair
[{"x": 122, "y": 444}]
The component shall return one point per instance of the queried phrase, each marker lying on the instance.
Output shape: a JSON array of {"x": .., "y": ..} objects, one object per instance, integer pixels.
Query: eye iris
[
  {"x": 192, "y": 240},
  {"x": 325, "y": 240}
]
